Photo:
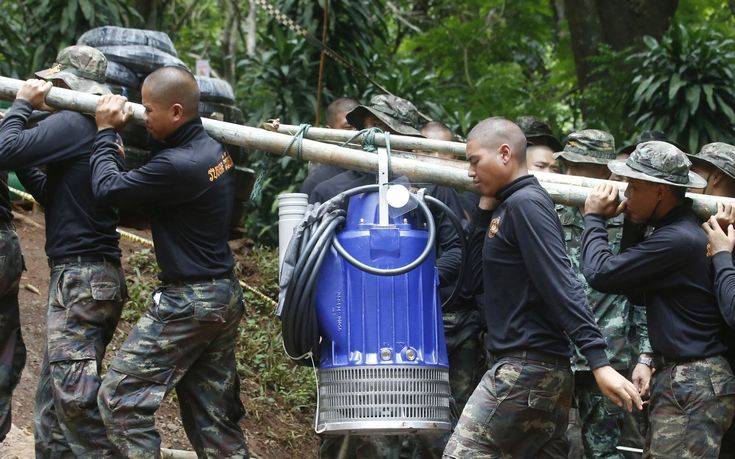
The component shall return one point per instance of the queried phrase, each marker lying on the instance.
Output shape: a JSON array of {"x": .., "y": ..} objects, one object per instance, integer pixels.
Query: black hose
[
  {"x": 457, "y": 290},
  {"x": 299, "y": 323}
]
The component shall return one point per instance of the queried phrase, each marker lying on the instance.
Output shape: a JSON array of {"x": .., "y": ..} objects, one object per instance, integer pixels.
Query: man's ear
[
  {"x": 178, "y": 111},
  {"x": 505, "y": 153}
]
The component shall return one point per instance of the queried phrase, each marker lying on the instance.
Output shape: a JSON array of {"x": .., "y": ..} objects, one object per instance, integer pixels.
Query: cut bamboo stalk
[{"x": 564, "y": 189}]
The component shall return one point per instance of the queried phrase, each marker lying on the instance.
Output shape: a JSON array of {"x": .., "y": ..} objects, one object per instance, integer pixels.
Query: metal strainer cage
[{"x": 383, "y": 399}]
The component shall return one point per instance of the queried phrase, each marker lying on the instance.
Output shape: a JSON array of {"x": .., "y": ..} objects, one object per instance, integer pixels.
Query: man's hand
[
  {"x": 604, "y": 200},
  {"x": 488, "y": 203},
  {"x": 34, "y": 92},
  {"x": 725, "y": 215},
  {"x": 112, "y": 112},
  {"x": 618, "y": 389},
  {"x": 642, "y": 379},
  {"x": 718, "y": 240}
]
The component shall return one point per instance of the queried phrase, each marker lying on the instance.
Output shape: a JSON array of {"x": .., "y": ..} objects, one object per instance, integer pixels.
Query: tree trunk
[
  {"x": 617, "y": 23},
  {"x": 252, "y": 29}
]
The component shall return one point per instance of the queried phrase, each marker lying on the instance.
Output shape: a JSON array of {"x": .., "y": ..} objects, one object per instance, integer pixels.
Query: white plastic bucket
[{"x": 291, "y": 210}]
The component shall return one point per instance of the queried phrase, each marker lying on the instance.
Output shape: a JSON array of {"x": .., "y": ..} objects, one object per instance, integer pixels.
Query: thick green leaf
[
  {"x": 675, "y": 84},
  {"x": 693, "y": 95}
]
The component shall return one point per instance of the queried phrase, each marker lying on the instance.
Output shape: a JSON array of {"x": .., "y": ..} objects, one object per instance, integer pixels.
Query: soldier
[
  {"x": 716, "y": 164},
  {"x": 186, "y": 338},
  {"x": 87, "y": 286},
  {"x": 669, "y": 272},
  {"x": 646, "y": 136},
  {"x": 586, "y": 154},
  {"x": 534, "y": 303},
  {"x": 336, "y": 119},
  {"x": 542, "y": 144},
  {"x": 12, "y": 347}
]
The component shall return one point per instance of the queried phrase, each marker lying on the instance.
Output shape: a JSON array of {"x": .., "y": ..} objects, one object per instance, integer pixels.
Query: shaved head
[
  {"x": 337, "y": 111},
  {"x": 496, "y": 151},
  {"x": 491, "y": 133},
  {"x": 174, "y": 85},
  {"x": 437, "y": 130}
]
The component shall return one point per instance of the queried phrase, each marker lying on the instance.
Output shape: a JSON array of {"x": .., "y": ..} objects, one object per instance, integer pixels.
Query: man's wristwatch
[{"x": 646, "y": 360}]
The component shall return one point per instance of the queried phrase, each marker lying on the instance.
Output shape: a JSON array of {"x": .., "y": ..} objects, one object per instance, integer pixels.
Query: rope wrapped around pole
[{"x": 564, "y": 189}]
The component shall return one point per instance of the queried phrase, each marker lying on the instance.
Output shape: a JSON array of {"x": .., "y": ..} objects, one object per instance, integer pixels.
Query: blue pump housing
[
  {"x": 384, "y": 366},
  {"x": 367, "y": 319}
]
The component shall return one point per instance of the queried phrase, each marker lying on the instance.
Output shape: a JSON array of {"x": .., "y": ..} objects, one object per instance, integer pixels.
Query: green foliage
[
  {"x": 683, "y": 86},
  {"x": 141, "y": 281},
  {"x": 260, "y": 349},
  {"x": 32, "y": 32}
]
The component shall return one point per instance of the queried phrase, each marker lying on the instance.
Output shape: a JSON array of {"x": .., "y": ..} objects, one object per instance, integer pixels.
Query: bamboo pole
[
  {"x": 564, "y": 189},
  {"x": 401, "y": 142}
]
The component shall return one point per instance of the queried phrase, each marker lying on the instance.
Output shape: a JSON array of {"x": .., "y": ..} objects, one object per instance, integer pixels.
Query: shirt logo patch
[
  {"x": 494, "y": 227},
  {"x": 222, "y": 166}
]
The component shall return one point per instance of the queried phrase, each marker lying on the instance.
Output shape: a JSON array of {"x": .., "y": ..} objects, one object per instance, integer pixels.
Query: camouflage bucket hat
[
  {"x": 538, "y": 133},
  {"x": 647, "y": 136},
  {"x": 658, "y": 162},
  {"x": 398, "y": 114},
  {"x": 81, "y": 68},
  {"x": 718, "y": 154},
  {"x": 589, "y": 146}
]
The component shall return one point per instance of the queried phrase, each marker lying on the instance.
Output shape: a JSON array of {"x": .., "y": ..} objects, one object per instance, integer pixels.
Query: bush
[{"x": 683, "y": 86}]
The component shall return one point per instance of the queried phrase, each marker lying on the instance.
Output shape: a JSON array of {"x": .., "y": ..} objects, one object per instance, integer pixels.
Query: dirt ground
[{"x": 260, "y": 431}]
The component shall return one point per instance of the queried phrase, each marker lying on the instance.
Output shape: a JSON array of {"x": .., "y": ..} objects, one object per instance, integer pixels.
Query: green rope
[
  {"x": 368, "y": 142},
  {"x": 297, "y": 139}
]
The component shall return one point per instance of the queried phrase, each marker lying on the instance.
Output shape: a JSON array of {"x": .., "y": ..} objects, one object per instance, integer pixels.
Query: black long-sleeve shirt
[
  {"x": 449, "y": 257},
  {"x": 670, "y": 274},
  {"x": 725, "y": 286},
  {"x": 532, "y": 299},
  {"x": 76, "y": 223},
  {"x": 319, "y": 173},
  {"x": 190, "y": 189}
]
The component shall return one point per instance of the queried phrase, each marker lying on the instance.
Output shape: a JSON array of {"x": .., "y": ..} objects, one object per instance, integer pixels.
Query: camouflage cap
[
  {"x": 718, "y": 154},
  {"x": 647, "y": 136},
  {"x": 659, "y": 162},
  {"x": 81, "y": 68},
  {"x": 538, "y": 133},
  {"x": 589, "y": 146},
  {"x": 400, "y": 115}
]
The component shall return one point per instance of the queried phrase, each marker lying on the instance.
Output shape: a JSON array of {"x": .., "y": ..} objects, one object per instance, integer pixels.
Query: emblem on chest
[{"x": 493, "y": 228}]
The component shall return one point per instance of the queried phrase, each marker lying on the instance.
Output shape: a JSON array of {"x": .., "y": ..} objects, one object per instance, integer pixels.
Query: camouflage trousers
[
  {"x": 85, "y": 302},
  {"x": 692, "y": 405},
  {"x": 601, "y": 420},
  {"x": 519, "y": 409},
  {"x": 466, "y": 366},
  {"x": 185, "y": 340},
  {"x": 12, "y": 348}
]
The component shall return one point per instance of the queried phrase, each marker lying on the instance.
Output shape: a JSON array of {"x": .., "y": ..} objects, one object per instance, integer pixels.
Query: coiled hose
[{"x": 300, "y": 328}]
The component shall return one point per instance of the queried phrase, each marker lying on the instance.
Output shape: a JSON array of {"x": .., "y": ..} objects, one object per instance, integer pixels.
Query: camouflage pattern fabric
[
  {"x": 81, "y": 68},
  {"x": 12, "y": 348},
  {"x": 614, "y": 314},
  {"x": 692, "y": 405},
  {"x": 600, "y": 419},
  {"x": 519, "y": 409},
  {"x": 658, "y": 162},
  {"x": 589, "y": 146},
  {"x": 467, "y": 364},
  {"x": 360, "y": 446},
  {"x": 85, "y": 302},
  {"x": 626, "y": 335},
  {"x": 185, "y": 340},
  {"x": 718, "y": 154}
]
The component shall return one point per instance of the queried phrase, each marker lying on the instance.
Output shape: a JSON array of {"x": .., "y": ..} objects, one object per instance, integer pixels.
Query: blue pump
[{"x": 369, "y": 294}]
